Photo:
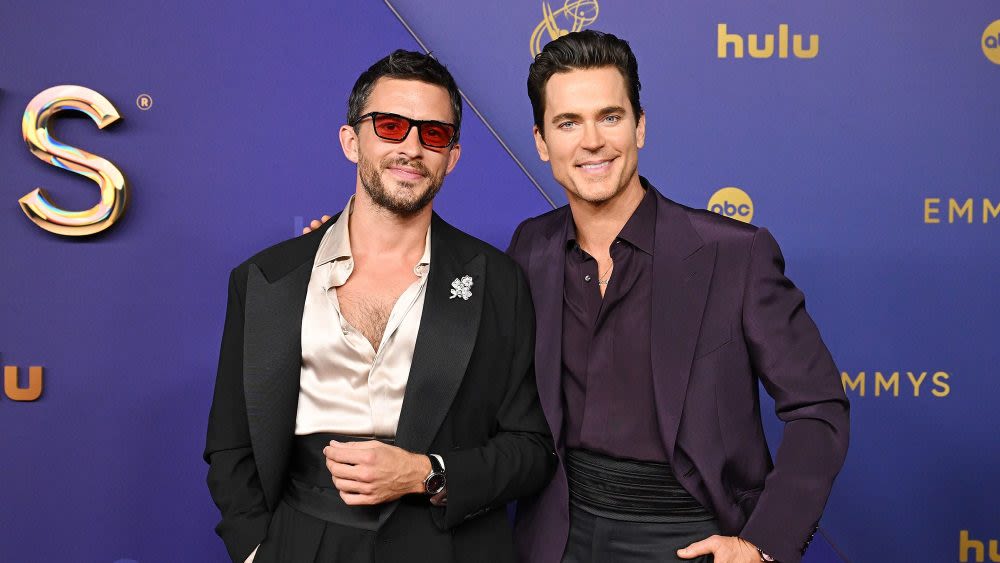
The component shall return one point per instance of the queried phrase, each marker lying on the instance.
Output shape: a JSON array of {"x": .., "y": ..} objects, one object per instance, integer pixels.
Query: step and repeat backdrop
[{"x": 863, "y": 134}]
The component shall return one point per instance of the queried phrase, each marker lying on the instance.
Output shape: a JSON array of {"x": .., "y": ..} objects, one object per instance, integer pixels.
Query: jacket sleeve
[
  {"x": 796, "y": 369},
  {"x": 519, "y": 459},
  {"x": 232, "y": 474}
]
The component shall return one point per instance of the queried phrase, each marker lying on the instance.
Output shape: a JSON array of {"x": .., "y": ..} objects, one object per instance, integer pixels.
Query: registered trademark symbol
[{"x": 144, "y": 102}]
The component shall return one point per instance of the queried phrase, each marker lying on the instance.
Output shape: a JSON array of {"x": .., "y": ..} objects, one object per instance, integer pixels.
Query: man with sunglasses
[{"x": 375, "y": 397}]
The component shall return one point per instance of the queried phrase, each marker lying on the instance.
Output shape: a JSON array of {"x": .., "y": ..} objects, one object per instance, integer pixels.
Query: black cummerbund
[
  {"x": 634, "y": 491},
  {"x": 310, "y": 486}
]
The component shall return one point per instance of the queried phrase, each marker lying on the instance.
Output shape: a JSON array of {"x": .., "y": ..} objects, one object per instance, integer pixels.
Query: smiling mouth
[
  {"x": 406, "y": 173},
  {"x": 596, "y": 166}
]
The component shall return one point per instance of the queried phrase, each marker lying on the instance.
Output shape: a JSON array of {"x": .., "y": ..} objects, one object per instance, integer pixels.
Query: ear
[
  {"x": 540, "y": 146},
  {"x": 640, "y": 130},
  {"x": 453, "y": 156},
  {"x": 349, "y": 143}
]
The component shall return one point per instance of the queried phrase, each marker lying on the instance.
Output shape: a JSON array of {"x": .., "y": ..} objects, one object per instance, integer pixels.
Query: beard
[{"x": 396, "y": 203}]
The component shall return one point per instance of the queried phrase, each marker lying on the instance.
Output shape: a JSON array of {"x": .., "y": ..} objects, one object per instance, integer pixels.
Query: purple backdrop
[{"x": 239, "y": 148}]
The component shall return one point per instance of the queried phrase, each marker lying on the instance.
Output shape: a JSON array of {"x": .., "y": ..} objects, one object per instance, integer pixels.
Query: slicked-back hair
[
  {"x": 582, "y": 50},
  {"x": 404, "y": 65}
]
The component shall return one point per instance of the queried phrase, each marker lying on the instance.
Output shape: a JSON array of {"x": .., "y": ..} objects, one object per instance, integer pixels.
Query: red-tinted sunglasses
[{"x": 392, "y": 127}]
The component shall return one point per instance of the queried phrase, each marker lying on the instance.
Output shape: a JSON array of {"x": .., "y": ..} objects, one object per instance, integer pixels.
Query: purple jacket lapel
[{"x": 682, "y": 272}]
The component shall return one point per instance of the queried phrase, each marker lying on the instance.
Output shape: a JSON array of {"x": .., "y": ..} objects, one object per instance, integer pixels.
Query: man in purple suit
[{"x": 655, "y": 323}]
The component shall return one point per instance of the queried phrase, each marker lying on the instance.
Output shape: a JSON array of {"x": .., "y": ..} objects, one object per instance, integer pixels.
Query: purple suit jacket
[{"x": 724, "y": 317}]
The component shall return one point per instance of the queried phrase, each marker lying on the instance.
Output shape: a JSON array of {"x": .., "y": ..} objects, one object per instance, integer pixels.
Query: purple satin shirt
[{"x": 607, "y": 372}]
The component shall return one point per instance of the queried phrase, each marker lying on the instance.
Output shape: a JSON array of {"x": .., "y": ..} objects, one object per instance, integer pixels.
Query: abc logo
[
  {"x": 733, "y": 203},
  {"x": 991, "y": 42}
]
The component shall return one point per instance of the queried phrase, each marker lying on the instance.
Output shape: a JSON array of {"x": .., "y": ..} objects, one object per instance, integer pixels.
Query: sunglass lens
[
  {"x": 391, "y": 127},
  {"x": 437, "y": 135}
]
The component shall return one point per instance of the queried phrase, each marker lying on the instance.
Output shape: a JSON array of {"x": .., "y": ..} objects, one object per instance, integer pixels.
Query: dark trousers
[
  {"x": 594, "y": 539},
  {"x": 312, "y": 524},
  {"x": 295, "y": 537}
]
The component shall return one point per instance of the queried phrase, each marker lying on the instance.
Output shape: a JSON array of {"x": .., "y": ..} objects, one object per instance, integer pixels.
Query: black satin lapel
[
  {"x": 447, "y": 335},
  {"x": 272, "y": 359},
  {"x": 681, "y": 291},
  {"x": 546, "y": 276},
  {"x": 448, "y": 329}
]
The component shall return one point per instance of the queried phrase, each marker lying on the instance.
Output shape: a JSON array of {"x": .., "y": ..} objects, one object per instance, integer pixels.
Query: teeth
[{"x": 594, "y": 166}]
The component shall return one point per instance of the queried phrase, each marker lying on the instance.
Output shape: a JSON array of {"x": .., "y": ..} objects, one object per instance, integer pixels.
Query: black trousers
[
  {"x": 296, "y": 537},
  {"x": 594, "y": 539},
  {"x": 312, "y": 524}
]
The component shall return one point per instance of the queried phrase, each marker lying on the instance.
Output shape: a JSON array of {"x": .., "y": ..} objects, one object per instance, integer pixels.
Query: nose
[
  {"x": 593, "y": 139},
  {"x": 410, "y": 145}
]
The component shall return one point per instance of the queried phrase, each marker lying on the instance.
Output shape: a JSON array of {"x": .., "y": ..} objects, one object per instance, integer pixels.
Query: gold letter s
[{"x": 34, "y": 127}]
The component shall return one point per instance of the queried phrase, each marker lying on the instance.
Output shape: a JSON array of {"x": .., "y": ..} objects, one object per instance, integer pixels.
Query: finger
[
  {"x": 343, "y": 454},
  {"x": 360, "y": 445},
  {"x": 326, "y": 218},
  {"x": 352, "y": 472},
  {"x": 357, "y": 499},
  {"x": 353, "y": 487},
  {"x": 703, "y": 547},
  {"x": 314, "y": 224}
]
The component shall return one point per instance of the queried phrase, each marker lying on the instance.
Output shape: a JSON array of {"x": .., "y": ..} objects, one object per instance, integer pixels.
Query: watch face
[{"x": 434, "y": 484}]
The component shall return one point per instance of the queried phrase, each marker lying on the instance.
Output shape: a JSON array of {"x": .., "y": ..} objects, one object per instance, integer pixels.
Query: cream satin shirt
[{"x": 345, "y": 386}]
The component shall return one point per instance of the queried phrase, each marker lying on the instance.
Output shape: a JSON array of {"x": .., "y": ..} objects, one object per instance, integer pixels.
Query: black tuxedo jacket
[{"x": 470, "y": 397}]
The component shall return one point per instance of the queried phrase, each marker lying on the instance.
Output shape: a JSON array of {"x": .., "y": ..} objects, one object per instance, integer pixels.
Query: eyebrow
[{"x": 576, "y": 116}]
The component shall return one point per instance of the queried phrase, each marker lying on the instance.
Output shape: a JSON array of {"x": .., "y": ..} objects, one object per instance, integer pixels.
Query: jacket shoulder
[
  {"x": 544, "y": 222},
  {"x": 277, "y": 260},
  {"x": 713, "y": 227},
  {"x": 534, "y": 230}
]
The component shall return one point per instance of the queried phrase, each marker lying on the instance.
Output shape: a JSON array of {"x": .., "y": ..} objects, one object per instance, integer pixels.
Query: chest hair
[{"x": 369, "y": 314}]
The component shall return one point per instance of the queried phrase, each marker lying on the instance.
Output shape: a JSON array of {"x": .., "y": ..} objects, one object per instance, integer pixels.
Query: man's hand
[
  {"x": 371, "y": 472},
  {"x": 315, "y": 224},
  {"x": 724, "y": 549}
]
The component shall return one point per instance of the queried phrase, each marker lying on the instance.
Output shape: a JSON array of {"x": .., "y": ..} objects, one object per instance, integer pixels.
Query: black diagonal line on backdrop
[{"x": 475, "y": 110}]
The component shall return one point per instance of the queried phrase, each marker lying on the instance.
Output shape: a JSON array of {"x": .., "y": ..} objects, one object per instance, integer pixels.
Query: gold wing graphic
[{"x": 577, "y": 13}]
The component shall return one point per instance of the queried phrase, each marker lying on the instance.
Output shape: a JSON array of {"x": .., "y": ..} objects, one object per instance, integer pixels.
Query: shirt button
[
  {"x": 345, "y": 332},
  {"x": 586, "y": 278}
]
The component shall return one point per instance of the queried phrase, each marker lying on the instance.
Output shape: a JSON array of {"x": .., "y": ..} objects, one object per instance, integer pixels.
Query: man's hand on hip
[
  {"x": 724, "y": 549},
  {"x": 371, "y": 472}
]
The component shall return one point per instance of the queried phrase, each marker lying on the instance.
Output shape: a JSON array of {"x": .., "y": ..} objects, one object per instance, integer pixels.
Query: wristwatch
[{"x": 435, "y": 481}]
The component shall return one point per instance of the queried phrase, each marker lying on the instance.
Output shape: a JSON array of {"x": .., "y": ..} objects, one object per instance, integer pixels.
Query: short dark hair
[
  {"x": 582, "y": 50},
  {"x": 404, "y": 65}
]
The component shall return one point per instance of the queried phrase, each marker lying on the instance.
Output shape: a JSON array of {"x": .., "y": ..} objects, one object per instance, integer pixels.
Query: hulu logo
[
  {"x": 764, "y": 47},
  {"x": 967, "y": 546}
]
